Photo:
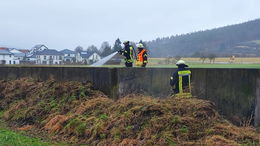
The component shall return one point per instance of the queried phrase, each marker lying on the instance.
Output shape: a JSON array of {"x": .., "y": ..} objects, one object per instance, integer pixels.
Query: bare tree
[
  {"x": 212, "y": 58},
  {"x": 78, "y": 49},
  {"x": 203, "y": 58}
]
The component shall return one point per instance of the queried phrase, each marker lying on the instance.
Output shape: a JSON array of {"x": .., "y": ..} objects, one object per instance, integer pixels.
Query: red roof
[{"x": 2, "y": 48}]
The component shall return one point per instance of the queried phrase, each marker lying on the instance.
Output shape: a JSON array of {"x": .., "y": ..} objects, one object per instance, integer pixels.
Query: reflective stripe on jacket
[
  {"x": 128, "y": 53},
  {"x": 186, "y": 74}
]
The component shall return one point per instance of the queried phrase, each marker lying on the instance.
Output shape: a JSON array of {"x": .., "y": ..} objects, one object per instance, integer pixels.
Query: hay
[
  {"x": 56, "y": 123},
  {"x": 75, "y": 113}
]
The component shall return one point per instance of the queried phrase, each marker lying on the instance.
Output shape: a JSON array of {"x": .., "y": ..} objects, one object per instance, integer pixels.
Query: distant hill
[{"x": 240, "y": 40}]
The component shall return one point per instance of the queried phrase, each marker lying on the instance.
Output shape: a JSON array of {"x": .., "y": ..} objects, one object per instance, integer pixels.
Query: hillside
[
  {"x": 73, "y": 112},
  {"x": 240, "y": 40}
]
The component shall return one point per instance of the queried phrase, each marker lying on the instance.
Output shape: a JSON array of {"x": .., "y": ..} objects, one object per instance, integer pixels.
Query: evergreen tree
[{"x": 117, "y": 45}]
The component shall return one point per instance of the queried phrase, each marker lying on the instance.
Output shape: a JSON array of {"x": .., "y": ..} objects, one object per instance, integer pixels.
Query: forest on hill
[{"x": 239, "y": 40}]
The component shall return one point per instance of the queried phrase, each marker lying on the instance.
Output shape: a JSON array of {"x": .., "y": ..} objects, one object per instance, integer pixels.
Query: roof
[
  {"x": 3, "y": 48},
  {"x": 85, "y": 54},
  {"x": 31, "y": 56},
  {"x": 24, "y": 50},
  {"x": 39, "y": 46},
  {"x": 67, "y": 51},
  {"x": 49, "y": 52},
  {"x": 17, "y": 53},
  {"x": 5, "y": 52}
]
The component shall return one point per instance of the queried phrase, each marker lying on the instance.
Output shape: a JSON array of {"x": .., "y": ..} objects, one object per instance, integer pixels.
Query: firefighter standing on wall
[
  {"x": 127, "y": 51},
  {"x": 142, "y": 56},
  {"x": 180, "y": 80}
]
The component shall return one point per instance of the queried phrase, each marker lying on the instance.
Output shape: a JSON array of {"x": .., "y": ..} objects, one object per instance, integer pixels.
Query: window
[
  {"x": 68, "y": 54},
  {"x": 10, "y": 62},
  {"x": 44, "y": 57},
  {"x": 14, "y": 62},
  {"x": 10, "y": 56},
  {"x": 60, "y": 58}
]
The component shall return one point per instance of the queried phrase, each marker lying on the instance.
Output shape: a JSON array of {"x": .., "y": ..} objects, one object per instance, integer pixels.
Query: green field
[
  {"x": 257, "y": 41},
  {"x": 10, "y": 138},
  {"x": 242, "y": 62},
  {"x": 257, "y": 66}
]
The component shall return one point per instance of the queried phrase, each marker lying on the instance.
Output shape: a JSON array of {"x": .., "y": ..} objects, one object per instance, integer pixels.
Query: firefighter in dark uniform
[
  {"x": 142, "y": 56},
  {"x": 127, "y": 51},
  {"x": 180, "y": 80}
]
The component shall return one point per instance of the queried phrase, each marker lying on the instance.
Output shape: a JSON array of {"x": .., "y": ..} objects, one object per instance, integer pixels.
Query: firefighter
[
  {"x": 142, "y": 56},
  {"x": 180, "y": 80},
  {"x": 127, "y": 51}
]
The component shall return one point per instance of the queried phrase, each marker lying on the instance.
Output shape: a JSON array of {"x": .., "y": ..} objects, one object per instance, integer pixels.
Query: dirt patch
[{"x": 75, "y": 113}]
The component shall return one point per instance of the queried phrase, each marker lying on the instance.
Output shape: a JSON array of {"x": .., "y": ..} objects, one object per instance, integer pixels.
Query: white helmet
[
  {"x": 140, "y": 45},
  {"x": 180, "y": 62},
  {"x": 126, "y": 42}
]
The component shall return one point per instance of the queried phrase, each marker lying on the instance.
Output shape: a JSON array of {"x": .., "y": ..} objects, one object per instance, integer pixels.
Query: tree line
[
  {"x": 219, "y": 41},
  {"x": 106, "y": 49}
]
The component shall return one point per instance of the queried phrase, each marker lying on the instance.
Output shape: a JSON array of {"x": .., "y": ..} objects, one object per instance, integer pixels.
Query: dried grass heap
[{"x": 76, "y": 113}]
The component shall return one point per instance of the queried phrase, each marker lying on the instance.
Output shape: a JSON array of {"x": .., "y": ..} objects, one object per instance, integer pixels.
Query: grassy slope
[{"x": 10, "y": 138}]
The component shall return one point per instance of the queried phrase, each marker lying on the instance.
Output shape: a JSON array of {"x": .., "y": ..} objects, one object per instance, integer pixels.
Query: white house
[
  {"x": 87, "y": 57},
  {"x": 18, "y": 56},
  {"x": 30, "y": 59},
  {"x": 6, "y": 57},
  {"x": 69, "y": 56},
  {"x": 36, "y": 48},
  {"x": 49, "y": 56}
]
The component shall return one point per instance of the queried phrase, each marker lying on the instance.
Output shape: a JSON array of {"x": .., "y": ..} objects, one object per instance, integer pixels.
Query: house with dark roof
[
  {"x": 49, "y": 57},
  {"x": 6, "y": 57},
  {"x": 87, "y": 57},
  {"x": 69, "y": 56}
]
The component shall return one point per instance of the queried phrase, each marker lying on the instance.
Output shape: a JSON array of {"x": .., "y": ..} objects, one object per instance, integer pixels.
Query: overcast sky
[{"x": 61, "y": 24}]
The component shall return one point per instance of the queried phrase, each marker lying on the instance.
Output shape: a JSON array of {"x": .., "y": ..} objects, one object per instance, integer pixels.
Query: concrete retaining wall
[{"x": 235, "y": 92}]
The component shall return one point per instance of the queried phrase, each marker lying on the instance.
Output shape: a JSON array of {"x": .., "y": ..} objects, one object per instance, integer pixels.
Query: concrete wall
[
  {"x": 102, "y": 78},
  {"x": 235, "y": 92}
]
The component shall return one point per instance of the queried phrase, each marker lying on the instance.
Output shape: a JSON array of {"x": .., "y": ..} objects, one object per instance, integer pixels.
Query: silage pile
[{"x": 75, "y": 113}]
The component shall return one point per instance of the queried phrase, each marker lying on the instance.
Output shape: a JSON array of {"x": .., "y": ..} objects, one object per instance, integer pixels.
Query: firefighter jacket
[{"x": 180, "y": 80}]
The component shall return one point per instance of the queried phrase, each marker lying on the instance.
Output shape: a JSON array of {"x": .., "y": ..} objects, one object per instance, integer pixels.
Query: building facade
[
  {"x": 6, "y": 57},
  {"x": 86, "y": 57},
  {"x": 49, "y": 57},
  {"x": 69, "y": 56}
]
